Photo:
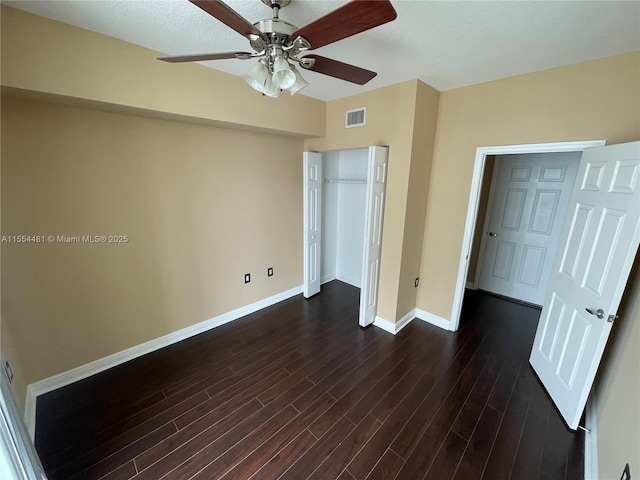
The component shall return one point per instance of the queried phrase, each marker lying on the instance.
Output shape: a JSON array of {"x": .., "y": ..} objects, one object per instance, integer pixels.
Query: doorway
[
  {"x": 597, "y": 247},
  {"x": 527, "y": 200},
  {"x": 474, "y": 200},
  {"x": 344, "y": 198}
]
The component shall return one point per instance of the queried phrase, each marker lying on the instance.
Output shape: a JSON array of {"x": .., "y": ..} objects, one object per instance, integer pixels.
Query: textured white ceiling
[{"x": 447, "y": 44}]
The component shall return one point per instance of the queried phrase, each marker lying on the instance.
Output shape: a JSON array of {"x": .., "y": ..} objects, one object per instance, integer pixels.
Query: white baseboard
[
  {"x": 327, "y": 279},
  {"x": 433, "y": 319},
  {"x": 471, "y": 286},
  {"x": 406, "y": 320},
  {"x": 385, "y": 325},
  {"x": 354, "y": 282},
  {"x": 65, "y": 378},
  {"x": 394, "y": 328},
  {"x": 591, "y": 440}
]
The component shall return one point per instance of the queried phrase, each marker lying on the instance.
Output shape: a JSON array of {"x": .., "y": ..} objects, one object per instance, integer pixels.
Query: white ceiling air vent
[{"x": 355, "y": 118}]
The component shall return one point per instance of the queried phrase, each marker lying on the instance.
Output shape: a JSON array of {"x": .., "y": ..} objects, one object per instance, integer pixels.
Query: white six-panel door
[
  {"x": 374, "y": 216},
  {"x": 529, "y": 199},
  {"x": 312, "y": 204},
  {"x": 598, "y": 245}
]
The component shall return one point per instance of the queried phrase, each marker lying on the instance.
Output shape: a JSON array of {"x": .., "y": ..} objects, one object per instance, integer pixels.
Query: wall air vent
[{"x": 355, "y": 118}]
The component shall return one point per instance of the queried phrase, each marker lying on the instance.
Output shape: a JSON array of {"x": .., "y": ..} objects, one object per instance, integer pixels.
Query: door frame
[
  {"x": 474, "y": 200},
  {"x": 18, "y": 456}
]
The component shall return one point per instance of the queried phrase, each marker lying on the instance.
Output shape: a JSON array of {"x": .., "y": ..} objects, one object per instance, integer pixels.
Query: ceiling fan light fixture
[
  {"x": 299, "y": 84},
  {"x": 271, "y": 89},
  {"x": 258, "y": 76},
  {"x": 283, "y": 75}
]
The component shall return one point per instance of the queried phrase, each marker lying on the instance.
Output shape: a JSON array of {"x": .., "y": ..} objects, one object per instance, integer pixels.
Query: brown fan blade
[
  {"x": 205, "y": 56},
  {"x": 350, "y": 19},
  {"x": 343, "y": 71},
  {"x": 229, "y": 17}
]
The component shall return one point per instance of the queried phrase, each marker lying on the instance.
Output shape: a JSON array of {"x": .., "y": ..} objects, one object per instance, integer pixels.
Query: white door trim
[
  {"x": 18, "y": 457},
  {"x": 474, "y": 198}
]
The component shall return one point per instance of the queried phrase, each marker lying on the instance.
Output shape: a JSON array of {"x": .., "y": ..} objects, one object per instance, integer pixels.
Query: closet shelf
[{"x": 345, "y": 180}]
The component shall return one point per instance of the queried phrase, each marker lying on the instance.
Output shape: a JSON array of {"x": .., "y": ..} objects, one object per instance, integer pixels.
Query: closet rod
[{"x": 344, "y": 180}]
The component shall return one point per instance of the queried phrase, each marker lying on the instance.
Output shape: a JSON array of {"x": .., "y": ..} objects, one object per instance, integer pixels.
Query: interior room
[{"x": 154, "y": 258}]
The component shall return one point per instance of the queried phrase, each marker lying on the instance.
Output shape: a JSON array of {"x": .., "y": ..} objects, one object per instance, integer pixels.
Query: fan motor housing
[
  {"x": 271, "y": 26},
  {"x": 278, "y": 31}
]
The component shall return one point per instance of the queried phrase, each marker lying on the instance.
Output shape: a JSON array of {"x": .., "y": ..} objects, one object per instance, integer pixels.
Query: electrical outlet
[
  {"x": 417, "y": 282},
  {"x": 247, "y": 277},
  {"x": 626, "y": 474},
  {"x": 270, "y": 272}
]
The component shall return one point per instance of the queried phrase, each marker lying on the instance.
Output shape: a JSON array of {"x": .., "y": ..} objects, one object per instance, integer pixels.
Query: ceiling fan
[{"x": 277, "y": 43}]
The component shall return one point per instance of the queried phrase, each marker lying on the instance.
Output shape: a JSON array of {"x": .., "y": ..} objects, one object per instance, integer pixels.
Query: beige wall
[
  {"x": 45, "y": 56},
  {"x": 391, "y": 119},
  {"x": 593, "y": 100},
  {"x": 424, "y": 130},
  {"x": 201, "y": 206},
  {"x": 617, "y": 390}
]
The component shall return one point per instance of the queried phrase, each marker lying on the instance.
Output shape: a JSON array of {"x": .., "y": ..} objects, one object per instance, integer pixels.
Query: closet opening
[{"x": 344, "y": 194}]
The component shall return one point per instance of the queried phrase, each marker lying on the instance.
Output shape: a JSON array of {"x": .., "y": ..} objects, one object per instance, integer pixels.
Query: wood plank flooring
[{"x": 298, "y": 391}]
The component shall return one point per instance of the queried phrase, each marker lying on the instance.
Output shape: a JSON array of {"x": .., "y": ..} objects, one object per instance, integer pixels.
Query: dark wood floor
[{"x": 299, "y": 391}]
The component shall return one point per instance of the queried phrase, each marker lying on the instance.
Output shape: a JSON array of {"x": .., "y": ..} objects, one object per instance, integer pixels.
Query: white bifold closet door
[
  {"x": 374, "y": 217},
  {"x": 312, "y": 204}
]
